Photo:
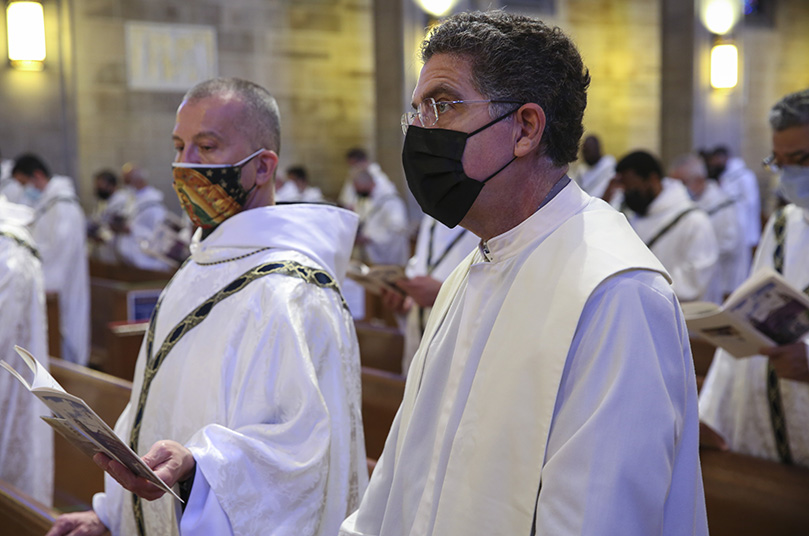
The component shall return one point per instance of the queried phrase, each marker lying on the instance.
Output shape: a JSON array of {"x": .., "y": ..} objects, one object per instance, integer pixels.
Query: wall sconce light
[
  {"x": 724, "y": 66},
  {"x": 26, "y": 35},
  {"x": 436, "y": 8},
  {"x": 720, "y": 16}
]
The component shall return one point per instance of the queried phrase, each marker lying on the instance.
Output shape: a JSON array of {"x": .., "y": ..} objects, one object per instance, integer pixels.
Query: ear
[
  {"x": 266, "y": 164},
  {"x": 530, "y": 120}
]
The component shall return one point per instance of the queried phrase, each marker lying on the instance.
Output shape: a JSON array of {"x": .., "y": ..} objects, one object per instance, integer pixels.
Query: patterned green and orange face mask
[{"x": 211, "y": 193}]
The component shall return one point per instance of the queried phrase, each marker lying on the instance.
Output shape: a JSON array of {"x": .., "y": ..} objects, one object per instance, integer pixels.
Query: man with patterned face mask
[
  {"x": 556, "y": 352},
  {"x": 255, "y": 413},
  {"x": 759, "y": 405}
]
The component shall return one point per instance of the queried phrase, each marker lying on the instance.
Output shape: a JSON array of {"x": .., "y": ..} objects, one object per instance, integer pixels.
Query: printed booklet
[
  {"x": 78, "y": 423},
  {"x": 764, "y": 311},
  {"x": 375, "y": 278}
]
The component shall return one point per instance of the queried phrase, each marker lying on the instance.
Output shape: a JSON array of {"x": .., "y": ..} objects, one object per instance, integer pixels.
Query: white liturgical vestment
[
  {"x": 740, "y": 183},
  {"x": 556, "y": 354},
  {"x": 148, "y": 212},
  {"x": 265, "y": 392},
  {"x": 595, "y": 179},
  {"x": 733, "y": 400},
  {"x": 721, "y": 209},
  {"x": 688, "y": 249},
  {"x": 59, "y": 232},
  {"x": 383, "y": 222},
  {"x": 26, "y": 442},
  {"x": 439, "y": 250}
]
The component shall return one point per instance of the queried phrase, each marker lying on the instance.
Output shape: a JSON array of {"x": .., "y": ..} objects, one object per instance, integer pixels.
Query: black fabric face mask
[
  {"x": 638, "y": 201},
  {"x": 432, "y": 160}
]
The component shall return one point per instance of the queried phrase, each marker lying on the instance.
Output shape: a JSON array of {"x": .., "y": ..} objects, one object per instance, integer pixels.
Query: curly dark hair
[{"x": 514, "y": 57}]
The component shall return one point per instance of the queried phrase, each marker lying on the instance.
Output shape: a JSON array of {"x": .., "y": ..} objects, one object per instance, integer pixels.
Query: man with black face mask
[
  {"x": 556, "y": 352},
  {"x": 670, "y": 224}
]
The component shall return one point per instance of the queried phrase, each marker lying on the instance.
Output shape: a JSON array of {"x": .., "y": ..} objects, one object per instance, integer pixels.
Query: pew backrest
[
  {"x": 382, "y": 394},
  {"x": 76, "y": 476},
  {"x": 746, "y": 495},
  {"x": 381, "y": 347},
  {"x": 21, "y": 514}
]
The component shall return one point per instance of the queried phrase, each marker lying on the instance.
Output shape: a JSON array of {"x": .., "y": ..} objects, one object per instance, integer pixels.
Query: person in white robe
[
  {"x": 383, "y": 234},
  {"x": 59, "y": 231},
  {"x": 439, "y": 250},
  {"x": 553, "y": 392},
  {"x": 297, "y": 189},
  {"x": 594, "y": 173},
  {"x": 147, "y": 213},
  {"x": 721, "y": 209},
  {"x": 26, "y": 442},
  {"x": 741, "y": 184},
  {"x": 670, "y": 224},
  {"x": 735, "y": 402},
  {"x": 112, "y": 206},
  {"x": 9, "y": 188},
  {"x": 255, "y": 412},
  {"x": 357, "y": 160}
]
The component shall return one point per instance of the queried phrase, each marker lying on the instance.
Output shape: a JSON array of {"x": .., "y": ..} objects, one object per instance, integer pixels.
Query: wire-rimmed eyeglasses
[
  {"x": 801, "y": 160},
  {"x": 430, "y": 109}
]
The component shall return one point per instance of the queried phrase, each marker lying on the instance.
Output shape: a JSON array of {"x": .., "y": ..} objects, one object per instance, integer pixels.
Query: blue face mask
[
  {"x": 32, "y": 195},
  {"x": 795, "y": 185}
]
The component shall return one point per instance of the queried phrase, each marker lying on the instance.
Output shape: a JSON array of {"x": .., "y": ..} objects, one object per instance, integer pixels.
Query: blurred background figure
[
  {"x": 147, "y": 213},
  {"x": 59, "y": 230},
  {"x": 740, "y": 183},
  {"x": 382, "y": 236},
  {"x": 111, "y": 206},
  {"x": 721, "y": 209},
  {"x": 296, "y": 188},
  {"x": 357, "y": 160},
  {"x": 595, "y": 170},
  {"x": 669, "y": 223},
  {"x": 26, "y": 442}
]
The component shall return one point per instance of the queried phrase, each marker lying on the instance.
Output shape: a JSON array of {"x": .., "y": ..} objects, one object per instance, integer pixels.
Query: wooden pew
[
  {"x": 123, "y": 345},
  {"x": 54, "y": 333},
  {"x": 127, "y": 274},
  {"x": 746, "y": 495},
  {"x": 381, "y": 347},
  {"x": 382, "y": 393},
  {"x": 21, "y": 514},
  {"x": 77, "y": 477},
  {"x": 702, "y": 352}
]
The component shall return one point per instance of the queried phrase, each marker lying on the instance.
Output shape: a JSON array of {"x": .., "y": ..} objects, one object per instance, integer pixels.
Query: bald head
[{"x": 258, "y": 117}]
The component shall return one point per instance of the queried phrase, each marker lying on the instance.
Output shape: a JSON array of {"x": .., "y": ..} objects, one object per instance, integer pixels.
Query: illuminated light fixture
[
  {"x": 721, "y": 15},
  {"x": 724, "y": 66},
  {"x": 26, "y": 35},
  {"x": 436, "y": 8}
]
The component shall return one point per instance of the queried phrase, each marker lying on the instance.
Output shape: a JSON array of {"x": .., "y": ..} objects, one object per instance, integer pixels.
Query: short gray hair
[
  {"x": 691, "y": 164},
  {"x": 260, "y": 121},
  {"x": 514, "y": 57},
  {"x": 791, "y": 111}
]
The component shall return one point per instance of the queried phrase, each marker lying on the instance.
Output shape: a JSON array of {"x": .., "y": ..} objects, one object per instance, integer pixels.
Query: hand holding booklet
[
  {"x": 764, "y": 311},
  {"x": 78, "y": 423},
  {"x": 377, "y": 277}
]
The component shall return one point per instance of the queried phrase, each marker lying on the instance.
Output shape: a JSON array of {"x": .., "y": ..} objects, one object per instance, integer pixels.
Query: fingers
[
  {"x": 128, "y": 480},
  {"x": 78, "y": 524}
]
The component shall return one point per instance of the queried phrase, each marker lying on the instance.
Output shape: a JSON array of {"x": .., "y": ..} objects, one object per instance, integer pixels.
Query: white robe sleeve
[
  {"x": 618, "y": 442},
  {"x": 265, "y": 471}
]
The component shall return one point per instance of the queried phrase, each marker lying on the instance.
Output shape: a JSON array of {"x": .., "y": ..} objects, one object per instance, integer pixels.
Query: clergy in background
[
  {"x": 677, "y": 231},
  {"x": 247, "y": 387},
  {"x": 553, "y": 391},
  {"x": 26, "y": 441},
  {"x": 759, "y": 405},
  {"x": 59, "y": 230}
]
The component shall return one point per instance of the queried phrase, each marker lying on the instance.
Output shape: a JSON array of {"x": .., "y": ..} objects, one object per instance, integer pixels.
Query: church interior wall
[{"x": 318, "y": 58}]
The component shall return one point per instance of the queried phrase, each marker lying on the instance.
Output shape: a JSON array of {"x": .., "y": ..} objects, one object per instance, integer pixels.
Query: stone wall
[{"x": 315, "y": 56}]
